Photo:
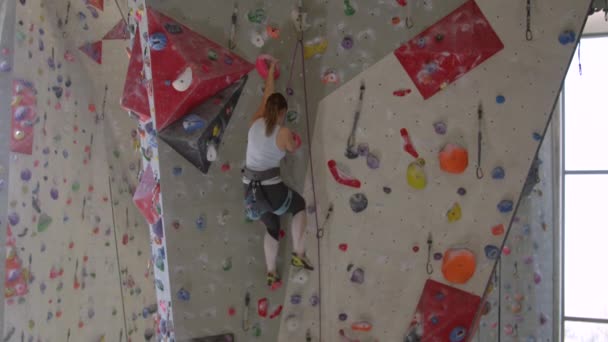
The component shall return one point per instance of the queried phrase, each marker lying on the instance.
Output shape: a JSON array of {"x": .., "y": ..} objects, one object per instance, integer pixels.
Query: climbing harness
[
  {"x": 429, "y": 266},
  {"x": 351, "y": 150},
  {"x": 256, "y": 206},
  {"x": 479, "y": 139},
  {"x": 528, "y": 20},
  {"x": 246, "y": 312},
  {"x": 231, "y": 40}
]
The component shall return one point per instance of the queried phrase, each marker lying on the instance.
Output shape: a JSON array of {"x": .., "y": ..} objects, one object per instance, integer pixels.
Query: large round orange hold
[
  {"x": 458, "y": 265},
  {"x": 453, "y": 159}
]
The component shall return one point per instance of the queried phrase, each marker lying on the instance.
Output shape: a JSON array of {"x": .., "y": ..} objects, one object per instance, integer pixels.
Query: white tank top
[{"x": 262, "y": 151}]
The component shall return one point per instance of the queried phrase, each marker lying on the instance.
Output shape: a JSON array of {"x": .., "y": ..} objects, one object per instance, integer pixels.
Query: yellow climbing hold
[
  {"x": 415, "y": 174},
  {"x": 216, "y": 131},
  {"x": 455, "y": 213},
  {"x": 316, "y": 47}
]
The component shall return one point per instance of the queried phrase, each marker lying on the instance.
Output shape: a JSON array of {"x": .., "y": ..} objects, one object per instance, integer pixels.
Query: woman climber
[{"x": 267, "y": 198}]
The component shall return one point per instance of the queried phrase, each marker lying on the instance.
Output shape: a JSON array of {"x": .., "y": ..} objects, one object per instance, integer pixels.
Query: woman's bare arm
[
  {"x": 268, "y": 90},
  {"x": 286, "y": 141}
]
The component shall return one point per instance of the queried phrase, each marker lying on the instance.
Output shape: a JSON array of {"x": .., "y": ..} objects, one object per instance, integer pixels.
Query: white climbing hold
[
  {"x": 257, "y": 40},
  {"x": 183, "y": 81},
  {"x": 300, "y": 25},
  {"x": 300, "y": 277},
  {"x": 211, "y": 152}
]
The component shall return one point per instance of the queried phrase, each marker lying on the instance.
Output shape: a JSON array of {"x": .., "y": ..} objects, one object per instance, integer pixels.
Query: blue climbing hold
[
  {"x": 200, "y": 223},
  {"x": 492, "y": 252},
  {"x": 157, "y": 41},
  {"x": 296, "y": 299},
  {"x": 434, "y": 320},
  {"x": 193, "y": 123},
  {"x": 183, "y": 294},
  {"x": 458, "y": 334},
  {"x": 536, "y": 136},
  {"x": 567, "y": 37},
  {"x": 498, "y": 173},
  {"x": 500, "y": 99},
  {"x": 505, "y": 206}
]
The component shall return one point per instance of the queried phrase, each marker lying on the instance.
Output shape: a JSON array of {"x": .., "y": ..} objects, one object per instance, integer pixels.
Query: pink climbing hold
[
  {"x": 297, "y": 139},
  {"x": 340, "y": 177},
  {"x": 409, "y": 145},
  {"x": 262, "y": 65},
  {"x": 263, "y": 307},
  {"x": 225, "y": 167}
]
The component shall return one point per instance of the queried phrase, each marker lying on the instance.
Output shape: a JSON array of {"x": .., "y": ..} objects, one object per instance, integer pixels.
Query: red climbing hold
[
  {"x": 416, "y": 249},
  {"x": 498, "y": 230},
  {"x": 341, "y": 177},
  {"x": 263, "y": 307},
  {"x": 343, "y": 247},
  {"x": 125, "y": 239},
  {"x": 225, "y": 167},
  {"x": 93, "y": 50},
  {"x": 402, "y": 2},
  {"x": 409, "y": 145},
  {"x": 276, "y": 312},
  {"x": 402, "y": 92},
  {"x": 96, "y": 3},
  {"x": 231, "y": 311}
]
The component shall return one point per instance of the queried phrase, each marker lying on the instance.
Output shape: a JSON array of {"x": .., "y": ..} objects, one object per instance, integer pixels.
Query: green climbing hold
[
  {"x": 227, "y": 264},
  {"x": 44, "y": 221},
  {"x": 349, "y": 10},
  {"x": 257, "y": 15},
  {"x": 20, "y": 36},
  {"x": 160, "y": 264},
  {"x": 116, "y": 154},
  {"x": 75, "y": 186},
  {"x": 257, "y": 330},
  {"x": 292, "y": 115}
]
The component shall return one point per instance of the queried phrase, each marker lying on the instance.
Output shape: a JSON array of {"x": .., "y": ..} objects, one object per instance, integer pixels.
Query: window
[{"x": 585, "y": 132}]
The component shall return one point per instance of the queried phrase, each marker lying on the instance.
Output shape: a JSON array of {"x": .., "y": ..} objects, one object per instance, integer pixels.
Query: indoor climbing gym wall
[
  {"x": 78, "y": 254},
  {"x": 419, "y": 124},
  {"x": 520, "y": 300}
]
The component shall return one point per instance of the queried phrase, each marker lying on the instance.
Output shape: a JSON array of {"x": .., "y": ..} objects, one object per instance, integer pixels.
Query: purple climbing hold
[
  {"x": 437, "y": 256},
  {"x": 314, "y": 300},
  {"x": 440, "y": 127},
  {"x": 201, "y": 223},
  {"x": 21, "y": 113},
  {"x": 296, "y": 299},
  {"x": 462, "y": 191},
  {"x": 373, "y": 162},
  {"x": 228, "y": 60},
  {"x": 537, "y": 278},
  {"x": 289, "y": 91},
  {"x": 348, "y": 42},
  {"x": 13, "y": 219},
  {"x": 157, "y": 228},
  {"x": 358, "y": 276},
  {"x": 183, "y": 294},
  {"x": 54, "y": 193},
  {"x": 498, "y": 173},
  {"x": 5, "y": 66},
  {"x": 363, "y": 149},
  {"x": 343, "y": 317},
  {"x": 26, "y": 175}
]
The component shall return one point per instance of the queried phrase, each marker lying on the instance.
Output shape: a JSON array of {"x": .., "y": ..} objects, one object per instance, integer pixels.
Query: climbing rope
[
  {"x": 528, "y": 20},
  {"x": 319, "y": 230}
]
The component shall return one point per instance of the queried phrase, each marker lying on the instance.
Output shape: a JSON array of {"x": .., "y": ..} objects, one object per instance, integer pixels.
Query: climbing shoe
[
  {"x": 301, "y": 262},
  {"x": 273, "y": 280}
]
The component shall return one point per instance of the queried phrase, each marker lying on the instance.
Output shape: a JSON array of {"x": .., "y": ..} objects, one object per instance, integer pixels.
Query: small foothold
[
  {"x": 289, "y": 91},
  {"x": 343, "y": 247},
  {"x": 314, "y": 300},
  {"x": 358, "y": 202},
  {"x": 363, "y": 149},
  {"x": 498, "y": 230},
  {"x": 437, "y": 256},
  {"x": 439, "y": 37},
  {"x": 358, "y": 276},
  {"x": 183, "y": 294},
  {"x": 416, "y": 248},
  {"x": 505, "y": 206},
  {"x": 330, "y": 76},
  {"x": 567, "y": 37},
  {"x": 455, "y": 213},
  {"x": 492, "y": 252},
  {"x": 500, "y": 99},
  {"x": 537, "y": 136},
  {"x": 498, "y": 173},
  {"x": 342, "y": 317},
  {"x": 506, "y": 250},
  {"x": 402, "y": 92},
  {"x": 462, "y": 191},
  {"x": 347, "y": 43},
  {"x": 373, "y": 162},
  {"x": 387, "y": 190},
  {"x": 177, "y": 171},
  {"x": 296, "y": 299},
  {"x": 200, "y": 223}
]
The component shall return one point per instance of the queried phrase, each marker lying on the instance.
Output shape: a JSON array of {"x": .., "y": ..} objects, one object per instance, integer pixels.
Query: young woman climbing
[{"x": 267, "y": 198}]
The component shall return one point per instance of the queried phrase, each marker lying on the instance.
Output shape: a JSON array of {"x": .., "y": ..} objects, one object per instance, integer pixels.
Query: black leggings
[{"x": 276, "y": 195}]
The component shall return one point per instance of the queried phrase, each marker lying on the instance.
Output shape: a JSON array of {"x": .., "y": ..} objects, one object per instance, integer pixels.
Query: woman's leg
[
  {"x": 298, "y": 228},
  {"x": 271, "y": 241}
]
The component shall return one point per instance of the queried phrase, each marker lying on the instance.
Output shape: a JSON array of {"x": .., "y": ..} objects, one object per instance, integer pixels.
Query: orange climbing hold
[
  {"x": 273, "y": 31},
  {"x": 498, "y": 230},
  {"x": 453, "y": 159},
  {"x": 458, "y": 265},
  {"x": 361, "y": 326}
]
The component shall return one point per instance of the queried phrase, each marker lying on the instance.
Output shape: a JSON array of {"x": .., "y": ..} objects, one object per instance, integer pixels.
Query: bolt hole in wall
[{"x": 585, "y": 183}]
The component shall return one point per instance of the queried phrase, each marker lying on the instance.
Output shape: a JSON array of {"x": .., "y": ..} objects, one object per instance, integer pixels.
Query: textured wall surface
[
  {"x": 216, "y": 256},
  {"x": 78, "y": 251}
]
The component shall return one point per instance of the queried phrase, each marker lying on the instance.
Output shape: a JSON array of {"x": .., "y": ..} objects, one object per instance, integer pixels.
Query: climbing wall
[
  {"x": 378, "y": 255},
  {"x": 77, "y": 252},
  {"x": 520, "y": 297}
]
